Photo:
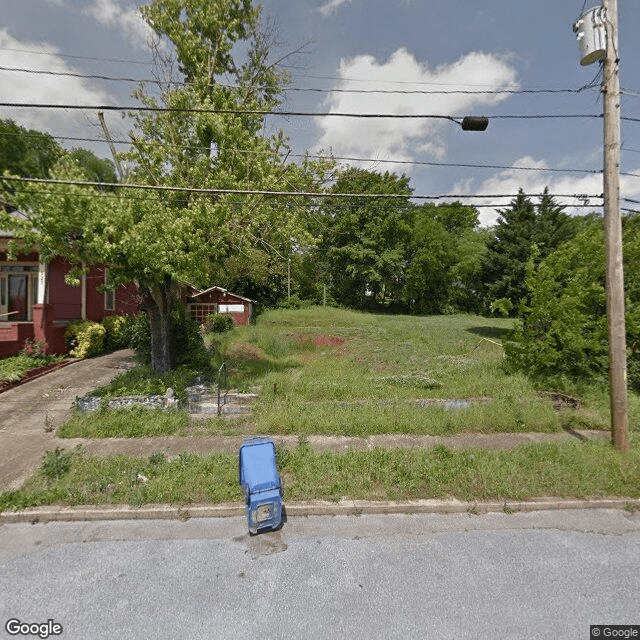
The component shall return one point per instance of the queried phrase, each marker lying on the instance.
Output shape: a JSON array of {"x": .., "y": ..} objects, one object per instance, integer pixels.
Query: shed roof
[{"x": 221, "y": 290}]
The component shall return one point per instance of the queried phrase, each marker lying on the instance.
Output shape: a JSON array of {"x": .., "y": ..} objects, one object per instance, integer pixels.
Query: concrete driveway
[{"x": 30, "y": 412}]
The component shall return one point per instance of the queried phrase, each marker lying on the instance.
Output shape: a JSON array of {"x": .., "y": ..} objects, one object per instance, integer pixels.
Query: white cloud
[
  {"x": 331, "y": 6},
  {"x": 399, "y": 138},
  {"x": 110, "y": 14},
  {"x": 511, "y": 180},
  {"x": 44, "y": 89}
]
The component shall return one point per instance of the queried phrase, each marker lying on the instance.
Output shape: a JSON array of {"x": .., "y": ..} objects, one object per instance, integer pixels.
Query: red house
[{"x": 37, "y": 304}]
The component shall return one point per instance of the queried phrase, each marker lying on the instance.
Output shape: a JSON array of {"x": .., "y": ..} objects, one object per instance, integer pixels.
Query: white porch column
[{"x": 42, "y": 283}]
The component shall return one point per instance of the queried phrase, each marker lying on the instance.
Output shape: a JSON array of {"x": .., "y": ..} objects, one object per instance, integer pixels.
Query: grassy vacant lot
[
  {"x": 570, "y": 469},
  {"x": 328, "y": 371},
  {"x": 331, "y": 371}
]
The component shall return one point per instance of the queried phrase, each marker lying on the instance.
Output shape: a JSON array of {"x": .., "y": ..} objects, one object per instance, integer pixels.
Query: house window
[
  {"x": 18, "y": 292},
  {"x": 109, "y": 296}
]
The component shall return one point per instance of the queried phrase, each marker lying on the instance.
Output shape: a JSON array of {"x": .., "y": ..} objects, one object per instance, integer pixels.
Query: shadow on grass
[
  {"x": 494, "y": 333},
  {"x": 248, "y": 371}
]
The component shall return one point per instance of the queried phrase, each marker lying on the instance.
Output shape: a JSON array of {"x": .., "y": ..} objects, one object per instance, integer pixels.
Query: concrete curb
[{"x": 308, "y": 508}]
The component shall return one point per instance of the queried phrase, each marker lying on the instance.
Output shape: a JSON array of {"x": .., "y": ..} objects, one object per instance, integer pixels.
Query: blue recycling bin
[{"x": 261, "y": 483}]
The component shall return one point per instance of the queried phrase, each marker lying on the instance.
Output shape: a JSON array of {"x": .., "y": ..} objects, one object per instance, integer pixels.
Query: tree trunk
[{"x": 157, "y": 303}]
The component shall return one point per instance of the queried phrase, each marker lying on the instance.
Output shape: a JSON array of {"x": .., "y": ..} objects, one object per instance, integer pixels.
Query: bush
[
  {"x": 218, "y": 323},
  {"x": 186, "y": 345},
  {"x": 84, "y": 338},
  {"x": 561, "y": 334},
  {"x": 294, "y": 302},
  {"x": 116, "y": 336},
  {"x": 137, "y": 336},
  {"x": 33, "y": 349}
]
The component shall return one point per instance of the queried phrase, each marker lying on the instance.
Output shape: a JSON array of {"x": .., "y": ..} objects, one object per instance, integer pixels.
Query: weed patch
[
  {"x": 134, "y": 422},
  {"x": 568, "y": 469}
]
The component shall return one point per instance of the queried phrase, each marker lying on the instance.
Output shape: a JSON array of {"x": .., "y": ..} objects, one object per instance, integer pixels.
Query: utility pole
[
  {"x": 103, "y": 124},
  {"x": 289, "y": 278},
  {"x": 613, "y": 234}
]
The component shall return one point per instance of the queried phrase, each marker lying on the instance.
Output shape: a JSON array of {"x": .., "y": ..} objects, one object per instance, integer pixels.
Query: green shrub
[
  {"x": 561, "y": 334},
  {"x": 137, "y": 336},
  {"x": 294, "y": 302},
  {"x": 218, "y": 323},
  {"x": 187, "y": 345},
  {"x": 85, "y": 338},
  {"x": 115, "y": 337},
  {"x": 56, "y": 463}
]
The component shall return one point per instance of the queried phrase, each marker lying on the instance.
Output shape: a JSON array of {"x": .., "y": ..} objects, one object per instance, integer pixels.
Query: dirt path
[{"x": 30, "y": 412}]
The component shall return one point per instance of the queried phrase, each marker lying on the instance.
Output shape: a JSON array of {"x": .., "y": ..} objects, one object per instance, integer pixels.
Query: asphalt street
[{"x": 530, "y": 575}]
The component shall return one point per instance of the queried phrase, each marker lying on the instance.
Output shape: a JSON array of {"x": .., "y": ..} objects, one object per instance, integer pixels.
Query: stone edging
[{"x": 309, "y": 508}]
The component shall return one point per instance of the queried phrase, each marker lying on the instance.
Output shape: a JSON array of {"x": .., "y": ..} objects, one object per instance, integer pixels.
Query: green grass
[
  {"x": 134, "y": 422},
  {"x": 333, "y": 371},
  {"x": 141, "y": 381},
  {"x": 13, "y": 369},
  {"x": 568, "y": 469}
]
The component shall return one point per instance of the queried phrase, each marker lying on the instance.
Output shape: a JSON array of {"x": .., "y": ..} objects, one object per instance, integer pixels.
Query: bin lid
[{"x": 258, "y": 465}]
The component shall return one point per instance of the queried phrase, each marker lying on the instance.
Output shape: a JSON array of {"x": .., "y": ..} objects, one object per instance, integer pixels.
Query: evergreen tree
[{"x": 520, "y": 228}]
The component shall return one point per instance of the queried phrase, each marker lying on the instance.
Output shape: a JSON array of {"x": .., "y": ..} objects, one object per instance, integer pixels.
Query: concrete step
[
  {"x": 228, "y": 409},
  {"x": 233, "y": 396},
  {"x": 203, "y": 401}
]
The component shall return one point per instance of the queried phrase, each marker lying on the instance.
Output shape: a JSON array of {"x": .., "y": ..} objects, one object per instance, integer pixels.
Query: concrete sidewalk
[{"x": 30, "y": 412}]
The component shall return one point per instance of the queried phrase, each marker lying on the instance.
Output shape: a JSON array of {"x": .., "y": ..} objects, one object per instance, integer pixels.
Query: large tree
[
  {"x": 203, "y": 134},
  {"x": 441, "y": 236},
  {"x": 365, "y": 238},
  {"x": 26, "y": 152}
]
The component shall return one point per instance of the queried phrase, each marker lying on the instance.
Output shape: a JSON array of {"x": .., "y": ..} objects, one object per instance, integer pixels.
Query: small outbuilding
[{"x": 219, "y": 300}]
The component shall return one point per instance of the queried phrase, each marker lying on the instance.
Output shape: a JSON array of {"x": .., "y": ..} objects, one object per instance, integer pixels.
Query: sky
[{"x": 437, "y": 57}]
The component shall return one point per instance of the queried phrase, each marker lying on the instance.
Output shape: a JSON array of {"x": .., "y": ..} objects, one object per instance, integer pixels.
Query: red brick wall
[{"x": 12, "y": 338}]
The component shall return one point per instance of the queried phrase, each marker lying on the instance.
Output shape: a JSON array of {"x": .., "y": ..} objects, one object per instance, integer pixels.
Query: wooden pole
[
  {"x": 116, "y": 161},
  {"x": 613, "y": 235}
]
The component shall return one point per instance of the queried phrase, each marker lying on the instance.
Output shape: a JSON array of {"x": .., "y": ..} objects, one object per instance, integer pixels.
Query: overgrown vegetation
[
  {"x": 338, "y": 372},
  {"x": 134, "y": 422},
  {"x": 561, "y": 336},
  {"x": 571, "y": 469},
  {"x": 84, "y": 338},
  {"x": 12, "y": 369}
]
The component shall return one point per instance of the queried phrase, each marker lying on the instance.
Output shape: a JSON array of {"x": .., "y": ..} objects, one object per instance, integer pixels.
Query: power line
[
  {"x": 265, "y": 112},
  {"x": 302, "y": 89},
  {"x": 343, "y": 158},
  {"x": 66, "y": 55},
  {"x": 112, "y": 196},
  {"x": 305, "y": 194}
]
